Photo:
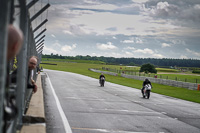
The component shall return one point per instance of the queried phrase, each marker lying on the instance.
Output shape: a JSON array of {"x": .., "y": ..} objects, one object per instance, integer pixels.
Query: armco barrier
[
  {"x": 104, "y": 72},
  {"x": 191, "y": 86}
]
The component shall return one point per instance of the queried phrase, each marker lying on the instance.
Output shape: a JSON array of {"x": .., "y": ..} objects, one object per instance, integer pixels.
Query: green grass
[
  {"x": 167, "y": 70},
  {"x": 82, "y": 68},
  {"x": 73, "y": 61}
]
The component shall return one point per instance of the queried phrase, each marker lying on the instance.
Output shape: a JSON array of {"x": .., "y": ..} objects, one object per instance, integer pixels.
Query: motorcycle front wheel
[{"x": 148, "y": 94}]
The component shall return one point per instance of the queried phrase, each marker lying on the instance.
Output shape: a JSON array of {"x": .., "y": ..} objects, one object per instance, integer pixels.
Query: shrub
[
  {"x": 148, "y": 68},
  {"x": 196, "y": 71}
]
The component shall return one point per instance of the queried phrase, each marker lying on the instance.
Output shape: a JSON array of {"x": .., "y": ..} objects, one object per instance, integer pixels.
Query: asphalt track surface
[{"x": 76, "y": 103}]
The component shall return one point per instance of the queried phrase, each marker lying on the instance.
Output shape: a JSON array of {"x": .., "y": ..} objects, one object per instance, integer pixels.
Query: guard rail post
[
  {"x": 4, "y": 15},
  {"x": 22, "y": 64}
]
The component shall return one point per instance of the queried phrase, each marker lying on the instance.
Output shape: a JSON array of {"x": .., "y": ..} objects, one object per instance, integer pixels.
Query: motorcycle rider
[
  {"x": 101, "y": 77},
  {"x": 146, "y": 81}
]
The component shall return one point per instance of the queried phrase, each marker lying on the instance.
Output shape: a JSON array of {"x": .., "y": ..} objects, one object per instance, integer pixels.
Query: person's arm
[
  {"x": 150, "y": 84},
  {"x": 29, "y": 85},
  {"x": 32, "y": 86},
  {"x": 100, "y": 76},
  {"x": 35, "y": 86},
  {"x": 143, "y": 83}
]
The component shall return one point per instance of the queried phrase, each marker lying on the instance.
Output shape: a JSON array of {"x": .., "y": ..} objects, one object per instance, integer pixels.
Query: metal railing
[
  {"x": 136, "y": 72},
  {"x": 17, "y": 13},
  {"x": 192, "y": 86}
]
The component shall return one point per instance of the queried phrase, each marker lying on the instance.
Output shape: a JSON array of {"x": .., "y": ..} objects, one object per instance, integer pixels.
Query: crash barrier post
[
  {"x": 4, "y": 14},
  {"x": 198, "y": 88}
]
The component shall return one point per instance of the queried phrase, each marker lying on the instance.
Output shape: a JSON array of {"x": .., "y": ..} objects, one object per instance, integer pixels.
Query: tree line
[{"x": 162, "y": 62}]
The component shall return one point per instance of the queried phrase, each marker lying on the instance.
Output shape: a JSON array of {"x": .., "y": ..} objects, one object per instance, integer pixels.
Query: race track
[{"x": 76, "y": 103}]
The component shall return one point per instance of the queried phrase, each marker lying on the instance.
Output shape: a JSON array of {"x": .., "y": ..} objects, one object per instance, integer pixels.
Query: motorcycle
[
  {"x": 102, "y": 81},
  {"x": 146, "y": 91}
]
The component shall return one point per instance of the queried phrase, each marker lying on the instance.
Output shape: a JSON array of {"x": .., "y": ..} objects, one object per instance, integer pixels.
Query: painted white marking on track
[{"x": 62, "y": 114}]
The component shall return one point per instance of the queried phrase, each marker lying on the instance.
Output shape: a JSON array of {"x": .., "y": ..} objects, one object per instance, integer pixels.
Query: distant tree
[
  {"x": 164, "y": 62},
  {"x": 132, "y": 64},
  {"x": 148, "y": 68}
]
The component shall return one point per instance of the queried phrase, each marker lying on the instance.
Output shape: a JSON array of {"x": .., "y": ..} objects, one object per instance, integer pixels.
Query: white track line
[{"x": 62, "y": 114}]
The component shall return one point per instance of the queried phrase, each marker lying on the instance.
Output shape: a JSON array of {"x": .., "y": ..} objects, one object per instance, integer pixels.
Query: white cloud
[
  {"x": 178, "y": 42},
  {"x": 48, "y": 50},
  {"x": 133, "y": 40},
  {"x": 94, "y": 54},
  {"x": 68, "y": 48},
  {"x": 197, "y": 6},
  {"x": 192, "y": 52},
  {"x": 96, "y": 5},
  {"x": 138, "y": 40},
  {"x": 75, "y": 30},
  {"x": 67, "y": 32},
  {"x": 53, "y": 35},
  {"x": 164, "y": 9},
  {"x": 56, "y": 45},
  {"x": 113, "y": 54},
  {"x": 98, "y": 22},
  {"x": 129, "y": 54},
  {"x": 169, "y": 24},
  {"x": 108, "y": 46},
  {"x": 157, "y": 56},
  {"x": 165, "y": 45},
  {"x": 184, "y": 57},
  {"x": 182, "y": 13},
  {"x": 140, "y": 1},
  {"x": 162, "y": 5},
  {"x": 144, "y": 51},
  {"x": 128, "y": 41},
  {"x": 130, "y": 48},
  {"x": 57, "y": 48},
  {"x": 114, "y": 37}
]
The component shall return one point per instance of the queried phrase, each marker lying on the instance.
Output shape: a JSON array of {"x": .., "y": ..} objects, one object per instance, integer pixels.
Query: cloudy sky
[{"x": 122, "y": 28}]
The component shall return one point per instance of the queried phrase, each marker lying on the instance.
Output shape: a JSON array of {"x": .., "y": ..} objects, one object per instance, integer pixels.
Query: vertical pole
[
  {"x": 22, "y": 63},
  {"x": 4, "y": 15}
]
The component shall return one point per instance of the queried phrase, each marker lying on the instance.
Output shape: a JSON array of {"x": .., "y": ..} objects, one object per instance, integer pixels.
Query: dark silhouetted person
[{"x": 146, "y": 81}]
